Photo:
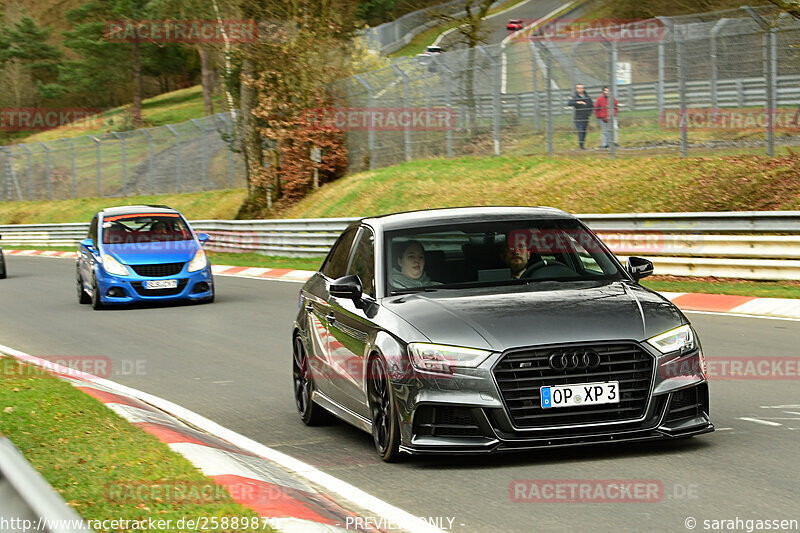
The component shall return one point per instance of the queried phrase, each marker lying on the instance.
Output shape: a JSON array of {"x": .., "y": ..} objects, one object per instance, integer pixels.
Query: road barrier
[
  {"x": 762, "y": 245},
  {"x": 27, "y": 501}
]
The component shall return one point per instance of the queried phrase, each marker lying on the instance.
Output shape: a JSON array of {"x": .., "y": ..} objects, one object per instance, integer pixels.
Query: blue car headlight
[
  {"x": 112, "y": 266},
  {"x": 198, "y": 262}
]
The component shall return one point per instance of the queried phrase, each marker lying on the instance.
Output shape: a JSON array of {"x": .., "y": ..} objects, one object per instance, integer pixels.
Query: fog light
[
  {"x": 201, "y": 287},
  {"x": 116, "y": 292}
]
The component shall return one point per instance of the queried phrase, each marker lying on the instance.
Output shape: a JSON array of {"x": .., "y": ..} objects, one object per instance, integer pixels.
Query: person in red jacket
[{"x": 601, "y": 112}]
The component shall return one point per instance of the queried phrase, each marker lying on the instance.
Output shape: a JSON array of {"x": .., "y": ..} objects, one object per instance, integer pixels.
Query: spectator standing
[
  {"x": 582, "y": 103},
  {"x": 601, "y": 112}
]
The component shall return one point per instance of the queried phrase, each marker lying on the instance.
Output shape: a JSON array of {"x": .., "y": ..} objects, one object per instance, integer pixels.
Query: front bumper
[
  {"x": 197, "y": 285},
  {"x": 450, "y": 429}
]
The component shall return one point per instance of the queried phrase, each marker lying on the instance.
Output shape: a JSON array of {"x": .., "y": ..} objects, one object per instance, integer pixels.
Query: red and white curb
[
  {"x": 292, "y": 495},
  {"x": 711, "y": 303}
]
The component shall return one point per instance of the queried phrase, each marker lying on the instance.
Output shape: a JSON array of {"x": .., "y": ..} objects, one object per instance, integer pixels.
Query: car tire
[
  {"x": 2, "y": 267},
  {"x": 83, "y": 296},
  {"x": 95, "y": 299},
  {"x": 210, "y": 299},
  {"x": 303, "y": 386},
  {"x": 383, "y": 411}
]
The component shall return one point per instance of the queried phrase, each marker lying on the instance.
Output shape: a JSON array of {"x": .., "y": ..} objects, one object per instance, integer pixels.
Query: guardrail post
[
  {"x": 194, "y": 121},
  {"x": 177, "y": 156},
  {"x": 72, "y": 166},
  {"x": 47, "y": 168},
  {"x": 371, "y": 131},
  {"x": 496, "y": 104},
  {"x": 29, "y": 173},
  {"x": 407, "y": 133}
]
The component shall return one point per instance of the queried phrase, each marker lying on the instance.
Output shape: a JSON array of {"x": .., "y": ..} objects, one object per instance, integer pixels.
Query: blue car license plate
[{"x": 161, "y": 284}]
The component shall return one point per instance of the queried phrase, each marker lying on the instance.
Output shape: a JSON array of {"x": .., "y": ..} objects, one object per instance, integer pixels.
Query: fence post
[
  {"x": 371, "y": 131},
  {"x": 72, "y": 165},
  {"x": 124, "y": 162},
  {"x": 177, "y": 156},
  {"x": 534, "y": 69},
  {"x": 47, "y": 168},
  {"x": 715, "y": 29},
  {"x": 97, "y": 164},
  {"x": 150, "y": 160},
  {"x": 407, "y": 135},
  {"x": 661, "y": 65},
  {"x": 195, "y": 121},
  {"x": 448, "y": 99},
  {"x": 612, "y": 94},
  {"x": 496, "y": 103},
  {"x": 29, "y": 173},
  {"x": 548, "y": 68},
  {"x": 767, "y": 56}
]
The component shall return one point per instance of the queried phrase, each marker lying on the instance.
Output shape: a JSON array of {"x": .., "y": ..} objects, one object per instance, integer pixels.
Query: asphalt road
[{"x": 230, "y": 362}]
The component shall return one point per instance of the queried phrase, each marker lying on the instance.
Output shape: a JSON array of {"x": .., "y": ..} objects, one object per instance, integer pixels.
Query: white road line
[
  {"x": 723, "y": 429},
  {"x": 401, "y": 518},
  {"x": 739, "y": 315},
  {"x": 791, "y": 412},
  {"x": 791, "y": 406},
  {"x": 757, "y": 421},
  {"x": 447, "y": 32}
]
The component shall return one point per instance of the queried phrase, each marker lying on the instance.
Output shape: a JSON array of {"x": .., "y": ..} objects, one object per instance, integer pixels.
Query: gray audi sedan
[{"x": 485, "y": 329}]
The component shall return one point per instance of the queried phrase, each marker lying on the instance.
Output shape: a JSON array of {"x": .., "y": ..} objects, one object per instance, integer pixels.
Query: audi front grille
[
  {"x": 159, "y": 270},
  {"x": 520, "y": 374}
]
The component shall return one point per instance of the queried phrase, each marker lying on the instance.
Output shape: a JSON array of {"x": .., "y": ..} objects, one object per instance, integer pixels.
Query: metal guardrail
[
  {"x": 742, "y": 244},
  {"x": 27, "y": 501}
]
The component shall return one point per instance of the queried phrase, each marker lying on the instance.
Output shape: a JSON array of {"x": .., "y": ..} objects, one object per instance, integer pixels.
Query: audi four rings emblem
[{"x": 574, "y": 360}]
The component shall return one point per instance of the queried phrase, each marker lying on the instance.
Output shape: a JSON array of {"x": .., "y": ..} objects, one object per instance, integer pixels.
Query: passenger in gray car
[{"x": 410, "y": 272}]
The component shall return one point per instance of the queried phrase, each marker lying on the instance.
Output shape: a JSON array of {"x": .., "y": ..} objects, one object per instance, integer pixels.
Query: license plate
[
  {"x": 577, "y": 395},
  {"x": 161, "y": 284}
]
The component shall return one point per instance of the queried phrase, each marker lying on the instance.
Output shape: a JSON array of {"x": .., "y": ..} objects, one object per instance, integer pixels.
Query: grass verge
[{"x": 93, "y": 458}]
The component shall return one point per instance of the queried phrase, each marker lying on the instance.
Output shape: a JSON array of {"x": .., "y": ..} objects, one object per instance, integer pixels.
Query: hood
[
  {"x": 499, "y": 318},
  {"x": 153, "y": 252}
]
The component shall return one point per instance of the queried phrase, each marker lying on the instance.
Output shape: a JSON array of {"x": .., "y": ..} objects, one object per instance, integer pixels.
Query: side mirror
[
  {"x": 203, "y": 238},
  {"x": 88, "y": 243},
  {"x": 347, "y": 287},
  {"x": 639, "y": 267}
]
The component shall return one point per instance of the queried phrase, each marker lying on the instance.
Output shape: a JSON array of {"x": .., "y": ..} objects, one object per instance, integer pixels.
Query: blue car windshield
[
  {"x": 495, "y": 253},
  {"x": 144, "y": 227}
]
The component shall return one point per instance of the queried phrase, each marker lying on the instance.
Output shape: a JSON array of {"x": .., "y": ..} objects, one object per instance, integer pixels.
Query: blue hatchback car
[{"x": 142, "y": 253}]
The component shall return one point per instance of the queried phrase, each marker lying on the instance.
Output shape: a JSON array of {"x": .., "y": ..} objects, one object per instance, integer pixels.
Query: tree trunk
[
  {"x": 207, "y": 79},
  {"x": 251, "y": 141},
  {"x": 136, "y": 109}
]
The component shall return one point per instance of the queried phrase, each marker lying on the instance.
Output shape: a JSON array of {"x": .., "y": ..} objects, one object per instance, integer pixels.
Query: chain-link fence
[
  {"x": 697, "y": 82},
  {"x": 195, "y": 155},
  {"x": 392, "y": 36}
]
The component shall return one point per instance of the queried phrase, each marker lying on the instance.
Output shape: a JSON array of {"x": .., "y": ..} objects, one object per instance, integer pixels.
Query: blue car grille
[
  {"x": 520, "y": 374},
  {"x": 159, "y": 270}
]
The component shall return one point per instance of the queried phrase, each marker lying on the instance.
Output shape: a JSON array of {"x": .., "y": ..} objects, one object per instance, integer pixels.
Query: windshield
[
  {"x": 495, "y": 253},
  {"x": 145, "y": 227}
]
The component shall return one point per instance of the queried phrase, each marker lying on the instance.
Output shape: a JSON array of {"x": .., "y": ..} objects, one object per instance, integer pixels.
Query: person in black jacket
[{"x": 582, "y": 103}]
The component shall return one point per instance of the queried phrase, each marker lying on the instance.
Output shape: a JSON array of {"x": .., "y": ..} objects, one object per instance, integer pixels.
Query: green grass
[
  {"x": 252, "y": 259},
  {"x": 577, "y": 185},
  {"x": 88, "y": 453},
  {"x": 222, "y": 204}
]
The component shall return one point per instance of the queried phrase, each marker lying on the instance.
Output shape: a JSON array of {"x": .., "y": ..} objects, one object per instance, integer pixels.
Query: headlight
[
  {"x": 198, "y": 262},
  {"x": 438, "y": 358},
  {"x": 113, "y": 266},
  {"x": 681, "y": 338}
]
